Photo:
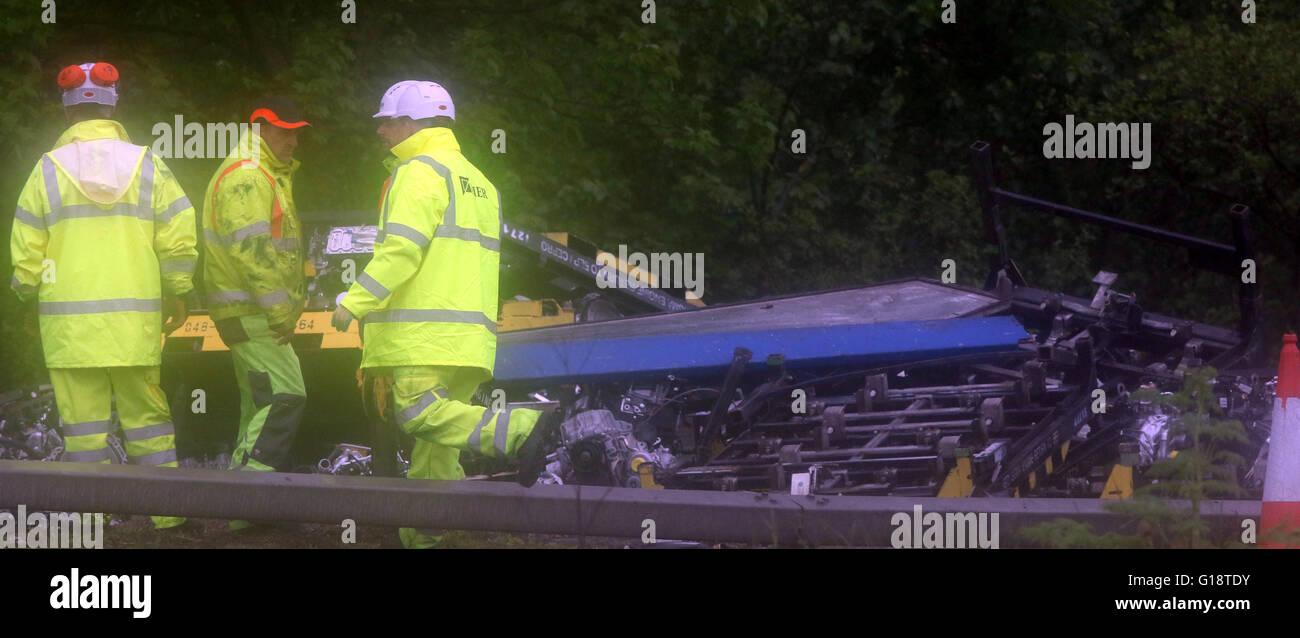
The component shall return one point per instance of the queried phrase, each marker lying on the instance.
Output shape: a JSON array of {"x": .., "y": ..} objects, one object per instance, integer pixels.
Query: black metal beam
[
  {"x": 992, "y": 198},
  {"x": 1209, "y": 248},
  {"x": 745, "y": 517},
  {"x": 571, "y": 262},
  {"x": 1205, "y": 254}
]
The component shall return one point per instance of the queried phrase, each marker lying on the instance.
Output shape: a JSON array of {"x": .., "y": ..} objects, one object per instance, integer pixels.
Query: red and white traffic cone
[{"x": 1281, "y": 509}]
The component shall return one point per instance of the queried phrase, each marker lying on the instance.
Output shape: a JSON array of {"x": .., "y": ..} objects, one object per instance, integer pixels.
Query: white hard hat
[
  {"x": 92, "y": 82},
  {"x": 416, "y": 100}
]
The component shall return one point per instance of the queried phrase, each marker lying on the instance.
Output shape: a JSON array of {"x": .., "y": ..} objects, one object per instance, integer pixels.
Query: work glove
[
  {"x": 342, "y": 318},
  {"x": 31, "y": 318},
  {"x": 174, "y": 312},
  {"x": 283, "y": 332}
]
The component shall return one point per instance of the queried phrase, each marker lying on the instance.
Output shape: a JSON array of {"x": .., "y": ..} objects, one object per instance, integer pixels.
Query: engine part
[
  {"x": 1153, "y": 437},
  {"x": 599, "y": 449},
  {"x": 29, "y": 425},
  {"x": 349, "y": 459}
]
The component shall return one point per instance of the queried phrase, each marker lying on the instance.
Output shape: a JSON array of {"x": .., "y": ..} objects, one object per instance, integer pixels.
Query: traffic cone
[{"x": 1280, "y": 512}]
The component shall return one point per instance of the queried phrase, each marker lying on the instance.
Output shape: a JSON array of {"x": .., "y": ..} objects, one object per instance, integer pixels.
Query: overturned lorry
[{"x": 910, "y": 387}]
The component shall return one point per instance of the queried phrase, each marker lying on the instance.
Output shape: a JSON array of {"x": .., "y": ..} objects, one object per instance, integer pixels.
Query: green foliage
[{"x": 1064, "y": 533}]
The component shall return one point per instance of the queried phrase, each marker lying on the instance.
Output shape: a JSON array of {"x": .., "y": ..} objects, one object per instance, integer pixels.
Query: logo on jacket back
[{"x": 477, "y": 191}]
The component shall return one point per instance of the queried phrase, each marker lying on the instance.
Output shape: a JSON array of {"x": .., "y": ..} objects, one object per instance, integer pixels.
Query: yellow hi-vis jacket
[
  {"x": 429, "y": 295},
  {"x": 101, "y": 231},
  {"x": 252, "y": 252}
]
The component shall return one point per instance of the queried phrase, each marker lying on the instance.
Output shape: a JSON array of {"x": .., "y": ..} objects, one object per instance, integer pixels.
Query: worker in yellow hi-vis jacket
[
  {"x": 427, "y": 301},
  {"x": 104, "y": 237},
  {"x": 254, "y": 282}
]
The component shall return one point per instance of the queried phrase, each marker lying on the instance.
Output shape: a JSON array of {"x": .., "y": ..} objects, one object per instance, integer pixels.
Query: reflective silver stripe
[
  {"x": 425, "y": 401},
  {"x": 228, "y": 296},
  {"x": 25, "y": 216},
  {"x": 402, "y": 230},
  {"x": 173, "y": 208},
  {"x": 148, "y": 431},
  {"x": 468, "y": 234},
  {"x": 448, "y": 218},
  {"x": 86, "y": 427},
  {"x": 180, "y": 264},
  {"x": 473, "y": 441},
  {"x": 440, "y": 316},
  {"x": 119, "y": 209},
  {"x": 234, "y": 296},
  {"x": 503, "y": 428},
  {"x": 146, "y": 182},
  {"x": 51, "y": 183},
  {"x": 104, "y": 305},
  {"x": 272, "y": 298},
  {"x": 20, "y": 286},
  {"x": 88, "y": 456},
  {"x": 374, "y": 287},
  {"x": 251, "y": 230},
  {"x": 157, "y": 458}
]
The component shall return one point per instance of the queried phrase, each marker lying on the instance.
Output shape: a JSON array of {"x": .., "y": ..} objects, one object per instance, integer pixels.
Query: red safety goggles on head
[{"x": 101, "y": 73}]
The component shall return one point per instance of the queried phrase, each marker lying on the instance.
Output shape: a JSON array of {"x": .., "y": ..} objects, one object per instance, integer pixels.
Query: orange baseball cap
[{"x": 279, "y": 112}]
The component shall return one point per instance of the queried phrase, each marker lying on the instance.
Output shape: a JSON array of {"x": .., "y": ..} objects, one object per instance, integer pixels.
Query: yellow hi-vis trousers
[
  {"x": 433, "y": 405},
  {"x": 272, "y": 396},
  {"x": 85, "y": 399}
]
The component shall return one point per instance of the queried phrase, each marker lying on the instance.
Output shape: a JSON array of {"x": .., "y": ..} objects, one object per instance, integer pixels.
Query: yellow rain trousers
[{"x": 84, "y": 397}]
